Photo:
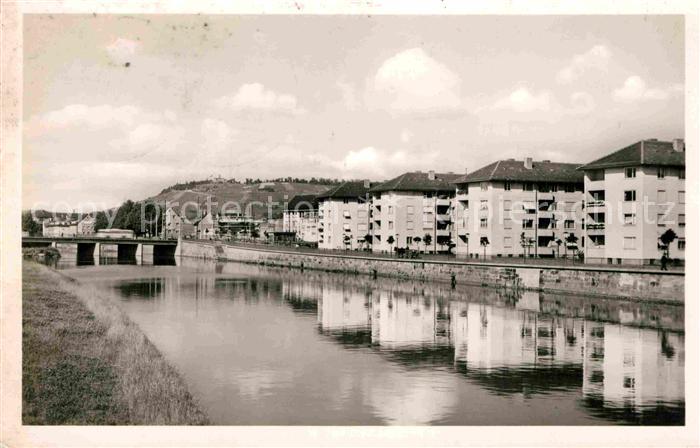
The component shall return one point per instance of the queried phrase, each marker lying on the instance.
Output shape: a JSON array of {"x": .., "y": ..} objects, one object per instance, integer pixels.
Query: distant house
[
  {"x": 59, "y": 228},
  {"x": 301, "y": 217},
  {"x": 267, "y": 186},
  {"x": 86, "y": 226},
  {"x": 207, "y": 227},
  {"x": 115, "y": 233},
  {"x": 176, "y": 224}
]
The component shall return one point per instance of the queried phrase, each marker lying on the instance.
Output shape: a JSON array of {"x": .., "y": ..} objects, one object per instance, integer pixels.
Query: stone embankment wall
[{"x": 632, "y": 285}]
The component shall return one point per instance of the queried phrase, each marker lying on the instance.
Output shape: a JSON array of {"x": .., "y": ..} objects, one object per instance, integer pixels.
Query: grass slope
[
  {"x": 279, "y": 193},
  {"x": 85, "y": 362}
]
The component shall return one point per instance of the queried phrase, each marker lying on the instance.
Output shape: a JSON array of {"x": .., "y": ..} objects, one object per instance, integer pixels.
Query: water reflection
[{"x": 286, "y": 348}]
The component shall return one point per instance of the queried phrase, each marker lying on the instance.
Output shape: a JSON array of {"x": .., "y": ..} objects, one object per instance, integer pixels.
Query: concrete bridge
[{"x": 143, "y": 250}]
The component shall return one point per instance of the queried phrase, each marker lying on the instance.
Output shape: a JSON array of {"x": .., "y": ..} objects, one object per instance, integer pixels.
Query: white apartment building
[
  {"x": 502, "y": 201},
  {"x": 411, "y": 206},
  {"x": 343, "y": 216},
  {"x": 301, "y": 217},
  {"x": 633, "y": 196}
]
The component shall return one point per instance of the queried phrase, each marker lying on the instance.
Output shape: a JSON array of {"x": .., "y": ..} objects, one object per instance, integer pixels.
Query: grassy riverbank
[{"x": 85, "y": 362}]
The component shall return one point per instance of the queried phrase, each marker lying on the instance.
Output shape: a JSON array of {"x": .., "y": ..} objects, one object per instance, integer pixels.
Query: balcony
[
  {"x": 462, "y": 231},
  {"x": 445, "y": 218},
  {"x": 595, "y": 203},
  {"x": 443, "y": 202},
  {"x": 546, "y": 214},
  {"x": 545, "y": 196},
  {"x": 443, "y": 232},
  {"x": 595, "y": 226}
]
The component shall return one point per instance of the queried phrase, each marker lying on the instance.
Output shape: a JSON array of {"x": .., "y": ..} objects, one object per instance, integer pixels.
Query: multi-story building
[
  {"x": 59, "y": 228},
  {"x": 409, "y": 207},
  {"x": 301, "y": 217},
  {"x": 514, "y": 208},
  {"x": 344, "y": 221},
  {"x": 632, "y": 197},
  {"x": 86, "y": 226}
]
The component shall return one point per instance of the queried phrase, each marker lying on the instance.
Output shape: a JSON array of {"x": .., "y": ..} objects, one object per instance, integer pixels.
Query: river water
[{"x": 273, "y": 346}]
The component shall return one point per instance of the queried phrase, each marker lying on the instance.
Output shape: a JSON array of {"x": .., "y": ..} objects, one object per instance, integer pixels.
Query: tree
[
  {"x": 390, "y": 239},
  {"x": 484, "y": 242},
  {"x": 29, "y": 225},
  {"x": 254, "y": 233},
  {"x": 666, "y": 239},
  {"x": 368, "y": 240},
  {"x": 558, "y": 242},
  {"x": 427, "y": 239},
  {"x": 101, "y": 221},
  {"x": 417, "y": 240},
  {"x": 571, "y": 242}
]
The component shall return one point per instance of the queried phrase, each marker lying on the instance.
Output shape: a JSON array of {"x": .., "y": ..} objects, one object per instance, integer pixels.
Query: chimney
[
  {"x": 528, "y": 163},
  {"x": 431, "y": 175},
  {"x": 678, "y": 145},
  {"x": 366, "y": 183}
]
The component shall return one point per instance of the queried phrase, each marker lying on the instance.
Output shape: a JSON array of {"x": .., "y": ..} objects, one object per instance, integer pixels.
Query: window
[
  {"x": 506, "y": 205},
  {"x": 630, "y": 219},
  {"x": 507, "y": 241},
  {"x": 661, "y": 196},
  {"x": 506, "y": 186},
  {"x": 484, "y": 223},
  {"x": 346, "y": 214},
  {"x": 570, "y": 188},
  {"x": 362, "y": 214},
  {"x": 527, "y": 223},
  {"x": 527, "y": 186},
  {"x": 681, "y": 173},
  {"x": 661, "y": 173},
  {"x": 391, "y": 209},
  {"x": 362, "y": 227},
  {"x": 484, "y": 204},
  {"x": 630, "y": 172},
  {"x": 507, "y": 223},
  {"x": 569, "y": 224},
  {"x": 484, "y": 186},
  {"x": 391, "y": 225},
  {"x": 630, "y": 195},
  {"x": 409, "y": 241},
  {"x": 409, "y": 225},
  {"x": 661, "y": 220},
  {"x": 570, "y": 205},
  {"x": 681, "y": 220},
  {"x": 409, "y": 209},
  {"x": 681, "y": 197},
  {"x": 346, "y": 227},
  {"x": 681, "y": 243},
  {"x": 629, "y": 242}
]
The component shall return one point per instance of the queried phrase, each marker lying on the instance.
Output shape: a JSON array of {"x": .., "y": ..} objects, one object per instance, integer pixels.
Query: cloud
[
  {"x": 412, "y": 81},
  {"x": 581, "y": 103},
  {"x": 122, "y": 50},
  {"x": 373, "y": 163},
  {"x": 635, "y": 89},
  {"x": 522, "y": 100},
  {"x": 348, "y": 95},
  {"x": 255, "y": 96},
  {"x": 596, "y": 58},
  {"x": 93, "y": 116}
]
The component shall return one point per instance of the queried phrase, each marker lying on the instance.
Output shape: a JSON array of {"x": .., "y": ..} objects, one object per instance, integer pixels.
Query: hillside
[{"x": 244, "y": 194}]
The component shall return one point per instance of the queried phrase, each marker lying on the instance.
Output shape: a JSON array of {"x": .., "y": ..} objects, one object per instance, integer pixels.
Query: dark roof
[
  {"x": 302, "y": 203},
  {"x": 514, "y": 170},
  {"x": 346, "y": 190},
  {"x": 418, "y": 181},
  {"x": 644, "y": 152}
]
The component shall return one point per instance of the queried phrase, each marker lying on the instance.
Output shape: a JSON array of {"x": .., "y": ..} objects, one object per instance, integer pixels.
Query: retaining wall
[{"x": 632, "y": 285}]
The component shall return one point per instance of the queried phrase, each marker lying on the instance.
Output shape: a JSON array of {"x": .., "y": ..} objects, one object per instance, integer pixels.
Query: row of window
[
  {"x": 630, "y": 242},
  {"x": 630, "y": 219},
  {"x": 661, "y": 196},
  {"x": 525, "y": 224},
  {"x": 661, "y": 173},
  {"x": 543, "y": 187}
]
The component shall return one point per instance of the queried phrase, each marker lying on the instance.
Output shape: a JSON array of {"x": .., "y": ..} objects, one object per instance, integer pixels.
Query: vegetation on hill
[{"x": 193, "y": 184}]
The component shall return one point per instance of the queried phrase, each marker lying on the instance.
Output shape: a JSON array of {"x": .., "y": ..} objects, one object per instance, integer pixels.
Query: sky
[{"x": 118, "y": 107}]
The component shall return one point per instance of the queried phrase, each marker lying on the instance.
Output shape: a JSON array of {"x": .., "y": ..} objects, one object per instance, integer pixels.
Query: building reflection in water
[{"x": 624, "y": 373}]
